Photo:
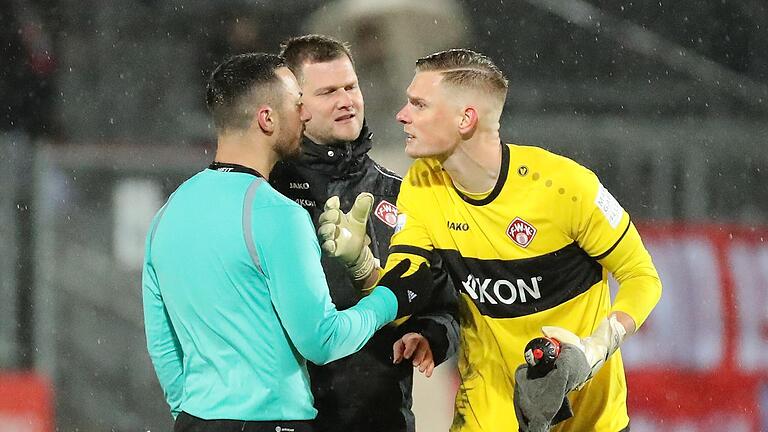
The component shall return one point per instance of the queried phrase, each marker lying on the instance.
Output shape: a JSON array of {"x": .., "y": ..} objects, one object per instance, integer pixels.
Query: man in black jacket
[{"x": 366, "y": 391}]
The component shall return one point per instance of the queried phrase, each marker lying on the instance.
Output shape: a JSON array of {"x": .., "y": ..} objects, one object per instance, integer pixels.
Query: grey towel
[{"x": 540, "y": 399}]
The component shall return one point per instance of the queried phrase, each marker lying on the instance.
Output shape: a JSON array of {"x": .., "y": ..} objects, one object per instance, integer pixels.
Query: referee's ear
[
  {"x": 265, "y": 119},
  {"x": 469, "y": 121}
]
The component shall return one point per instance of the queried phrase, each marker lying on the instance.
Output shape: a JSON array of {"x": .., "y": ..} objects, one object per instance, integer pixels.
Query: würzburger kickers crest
[
  {"x": 387, "y": 213},
  {"x": 521, "y": 232}
]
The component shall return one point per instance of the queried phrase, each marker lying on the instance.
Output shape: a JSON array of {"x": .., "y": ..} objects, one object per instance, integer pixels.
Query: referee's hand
[{"x": 412, "y": 291}]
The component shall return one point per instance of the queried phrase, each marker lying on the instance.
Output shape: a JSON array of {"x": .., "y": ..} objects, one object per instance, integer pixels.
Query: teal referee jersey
[{"x": 235, "y": 300}]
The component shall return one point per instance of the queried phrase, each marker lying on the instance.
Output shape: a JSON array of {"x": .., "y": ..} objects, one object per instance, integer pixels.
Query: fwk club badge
[
  {"x": 521, "y": 232},
  {"x": 387, "y": 213}
]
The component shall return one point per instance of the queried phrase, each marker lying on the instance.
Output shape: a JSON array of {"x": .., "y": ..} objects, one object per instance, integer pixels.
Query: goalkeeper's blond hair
[{"x": 466, "y": 69}]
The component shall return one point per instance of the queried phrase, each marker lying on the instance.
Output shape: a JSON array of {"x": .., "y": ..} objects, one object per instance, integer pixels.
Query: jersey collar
[
  {"x": 232, "y": 167},
  {"x": 499, "y": 182}
]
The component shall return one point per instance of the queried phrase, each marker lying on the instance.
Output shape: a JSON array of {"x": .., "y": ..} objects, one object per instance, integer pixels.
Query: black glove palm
[{"x": 412, "y": 291}]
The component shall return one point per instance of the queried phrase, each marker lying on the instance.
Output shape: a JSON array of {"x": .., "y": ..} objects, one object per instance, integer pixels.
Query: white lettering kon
[{"x": 504, "y": 291}]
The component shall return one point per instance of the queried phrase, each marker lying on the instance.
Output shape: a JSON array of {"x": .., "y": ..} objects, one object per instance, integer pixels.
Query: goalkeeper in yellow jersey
[{"x": 529, "y": 238}]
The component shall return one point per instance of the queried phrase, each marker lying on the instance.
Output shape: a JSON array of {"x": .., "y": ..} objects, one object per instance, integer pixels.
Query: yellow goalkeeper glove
[{"x": 344, "y": 234}]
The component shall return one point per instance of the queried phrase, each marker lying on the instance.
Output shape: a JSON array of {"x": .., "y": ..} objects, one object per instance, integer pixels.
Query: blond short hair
[{"x": 463, "y": 68}]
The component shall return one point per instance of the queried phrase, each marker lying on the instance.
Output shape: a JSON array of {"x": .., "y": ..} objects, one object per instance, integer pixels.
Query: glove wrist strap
[
  {"x": 608, "y": 337},
  {"x": 363, "y": 266}
]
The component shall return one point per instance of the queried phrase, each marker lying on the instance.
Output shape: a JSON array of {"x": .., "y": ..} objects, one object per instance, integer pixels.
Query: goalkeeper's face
[{"x": 430, "y": 118}]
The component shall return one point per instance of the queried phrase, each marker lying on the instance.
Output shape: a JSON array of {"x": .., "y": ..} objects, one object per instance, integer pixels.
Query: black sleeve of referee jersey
[{"x": 438, "y": 322}]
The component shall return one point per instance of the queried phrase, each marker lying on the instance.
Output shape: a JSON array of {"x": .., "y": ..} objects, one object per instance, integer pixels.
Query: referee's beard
[{"x": 287, "y": 145}]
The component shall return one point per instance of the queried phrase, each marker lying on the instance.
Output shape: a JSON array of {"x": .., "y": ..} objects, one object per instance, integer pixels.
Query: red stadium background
[{"x": 699, "y": 363}]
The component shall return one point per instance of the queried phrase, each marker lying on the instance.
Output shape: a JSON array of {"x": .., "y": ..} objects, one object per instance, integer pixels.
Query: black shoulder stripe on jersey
[
  {"x": 499, "y": 182},
  {"x": 514, "y": 288},
  {"x": 413, "y": 250},
  {"x": 606, "y": 253}
]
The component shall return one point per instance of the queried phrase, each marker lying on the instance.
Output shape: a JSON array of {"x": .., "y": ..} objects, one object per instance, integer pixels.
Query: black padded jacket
[{"x": 365, "y": 391}]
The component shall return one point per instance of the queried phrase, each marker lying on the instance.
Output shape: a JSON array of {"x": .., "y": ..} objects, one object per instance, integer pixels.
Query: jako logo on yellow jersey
[{"x": 504, "y": 291}]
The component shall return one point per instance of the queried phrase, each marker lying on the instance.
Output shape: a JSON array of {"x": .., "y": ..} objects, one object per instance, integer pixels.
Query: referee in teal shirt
[{"x": 235, "y": 299}]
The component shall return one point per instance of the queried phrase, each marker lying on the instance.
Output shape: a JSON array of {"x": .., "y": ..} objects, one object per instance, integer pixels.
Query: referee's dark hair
[
  {"x": 239, "y": 85},
  {"x": 312, "y": 48}
]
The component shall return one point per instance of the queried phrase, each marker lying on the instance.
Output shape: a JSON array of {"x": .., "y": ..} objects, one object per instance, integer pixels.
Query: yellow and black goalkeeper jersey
[{"x": 534, "y": 251}]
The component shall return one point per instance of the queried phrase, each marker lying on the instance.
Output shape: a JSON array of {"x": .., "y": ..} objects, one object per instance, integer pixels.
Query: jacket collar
[{"x": 339, "y": 159}]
